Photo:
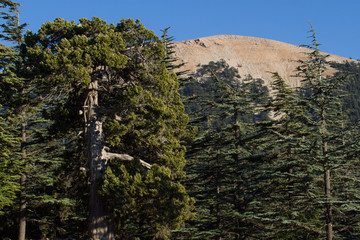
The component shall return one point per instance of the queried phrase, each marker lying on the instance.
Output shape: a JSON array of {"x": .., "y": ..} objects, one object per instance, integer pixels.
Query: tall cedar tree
[
  {"x": 308, "y": 172},
  {"x": 224, "y": 110},
  {"x": 281, "y": 206},
  {"x": 11, "y": 31},
  {"x": 171, "y": 62},
  {"x": 110, "y": 84},
  {"x": 333, "y": 144},
  {"x": 33, "y": 154},
  {"x": 10, "y": 169}
]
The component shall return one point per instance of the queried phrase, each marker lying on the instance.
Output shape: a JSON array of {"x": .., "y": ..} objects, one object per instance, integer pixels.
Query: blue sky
[{"x": 337, "y": 23}]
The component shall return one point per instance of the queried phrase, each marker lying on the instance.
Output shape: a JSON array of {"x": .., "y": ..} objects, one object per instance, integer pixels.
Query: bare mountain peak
[{"x": 250, "y": 55}]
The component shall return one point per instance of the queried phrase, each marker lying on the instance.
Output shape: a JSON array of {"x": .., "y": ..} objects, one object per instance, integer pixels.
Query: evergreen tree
[
  {"x": 170, "y": 60},
  {"x": 112, "y": 87},
  {"x": 308, "y": 151},
  {"x": 8, "y": 80},
  {"x": 350, "y": 70},
  {"x": 282, "y": 207},
  {"x": 10, "y": 170},
  {"x": 11, "y": 31},
  {"x": 218, "y": 169},
  {"x": 35, "y": 154},
  {"x": 331, "y": 144}
]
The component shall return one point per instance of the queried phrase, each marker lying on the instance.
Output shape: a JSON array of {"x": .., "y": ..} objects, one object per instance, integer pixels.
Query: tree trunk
[
  {"x": 22, "y": 210},
  {"x": 327, "y": 184},
  {"x": 22, "y": 217},
  {"x": 100, "y": 217},
  {"x": 328, "y": 214}
]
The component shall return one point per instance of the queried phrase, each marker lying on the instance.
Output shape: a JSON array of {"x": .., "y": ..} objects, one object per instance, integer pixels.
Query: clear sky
[{"x": 337, "y": 22}]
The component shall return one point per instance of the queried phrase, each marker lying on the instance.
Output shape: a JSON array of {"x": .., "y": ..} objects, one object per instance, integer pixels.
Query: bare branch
[{"x": 123, "y": 157}]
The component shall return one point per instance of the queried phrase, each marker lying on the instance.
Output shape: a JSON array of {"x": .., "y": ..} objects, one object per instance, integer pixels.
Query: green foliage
[
  {"x": 282, "y": 206},
  {"x": 137, "y": 104},
  {"x": 147, "y": 203},
  {"x": 224, "y": 108},
  {"x": 350, "y": 70},
  {"x": 10, "y": 166},
  {"x": 10, "y": 170},
  {"x": 11, "y": 31},
  {"x": 253, "y": 177},
  {"x": 35, "y": 156},
  {"x": 308, "y": 147},
  {"x": 330, "y": 149},
  {"x": 172, "y": 62}
]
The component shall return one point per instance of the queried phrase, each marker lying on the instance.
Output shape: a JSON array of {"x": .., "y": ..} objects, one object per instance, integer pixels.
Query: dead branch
[{"x": 123, "y": 157}]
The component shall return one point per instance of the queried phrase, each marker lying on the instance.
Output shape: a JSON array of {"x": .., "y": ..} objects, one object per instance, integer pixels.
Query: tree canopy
[{"x": 93, "y": 133}]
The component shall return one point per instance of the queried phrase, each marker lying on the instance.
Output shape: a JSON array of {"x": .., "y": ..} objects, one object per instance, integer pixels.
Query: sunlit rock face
[{"x": 255, "y": 56}]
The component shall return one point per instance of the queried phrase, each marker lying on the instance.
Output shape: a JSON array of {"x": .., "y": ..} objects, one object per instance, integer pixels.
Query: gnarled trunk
[{"x": 100, "y": 219}]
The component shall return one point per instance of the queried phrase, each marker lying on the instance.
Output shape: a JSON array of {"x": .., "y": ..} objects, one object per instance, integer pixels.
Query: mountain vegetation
[
  {"x": 104, "y": 136},
  {"x": 350, "y": 70}
]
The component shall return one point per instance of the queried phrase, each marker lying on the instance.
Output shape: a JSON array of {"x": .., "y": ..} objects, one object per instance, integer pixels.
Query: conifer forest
[{"x": 103, "y": 137}]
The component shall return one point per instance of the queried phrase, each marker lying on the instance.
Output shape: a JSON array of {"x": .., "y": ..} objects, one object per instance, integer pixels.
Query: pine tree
[
  {"x": 331, "y": 144},
  {"x": 308, "y": 151},
  {"x": 12, "y": 32},
  {"x": 281, "y": 207},
  {"x": 35, "y": 153},
  {"x": 172, "y": 62},
  {"x": 10, "y": 170},
  {"x": 218, "y": 169},
  {"x": 110, "y": 84}
]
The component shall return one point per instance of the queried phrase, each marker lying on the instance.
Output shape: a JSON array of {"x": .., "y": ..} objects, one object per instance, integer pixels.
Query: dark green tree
[
  {"x": 10, "y": 170},
  {"x": 172, "y": 62},
  {"x": 224, "y": 109},
  {"x": 332, "y": 146},
  {"x": 308, "y": 153},
  {"x": 350, "y": 70},
  {"x": 110, "y": 85},
  {"x": 281, "y": 206},
  {"x": 37, "y": 155},
  {"x": 11, "y": 32},
  {"x": 10, "y": 167}
]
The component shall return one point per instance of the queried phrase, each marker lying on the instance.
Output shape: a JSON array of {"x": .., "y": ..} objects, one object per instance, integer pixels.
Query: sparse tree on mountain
[{"x": 170, "y": 60}]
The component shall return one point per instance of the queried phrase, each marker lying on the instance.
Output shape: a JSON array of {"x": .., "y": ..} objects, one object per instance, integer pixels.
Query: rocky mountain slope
[{"x": 250, "y": 55}]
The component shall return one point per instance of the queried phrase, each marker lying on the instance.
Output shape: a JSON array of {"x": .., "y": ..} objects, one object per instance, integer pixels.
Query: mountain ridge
[{"x": 250, "y": 55}]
